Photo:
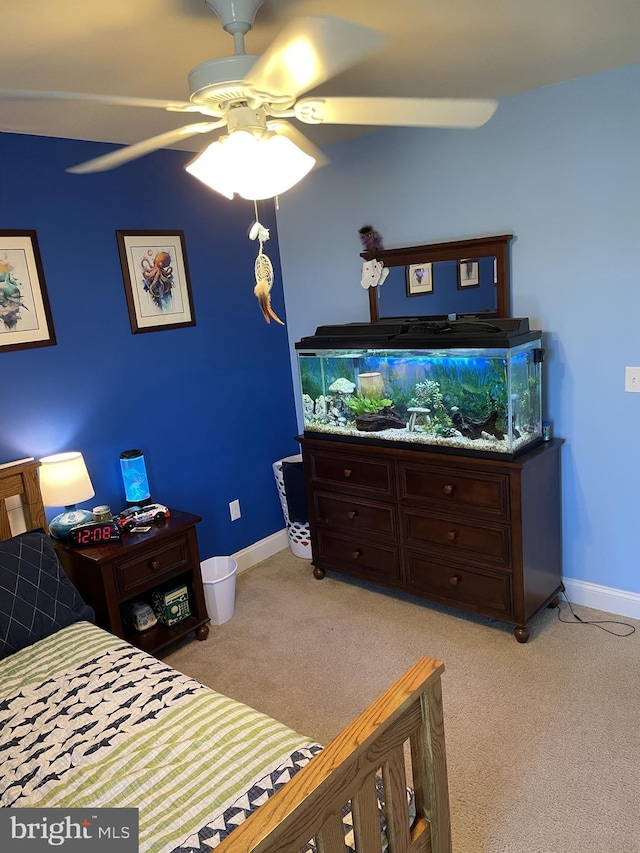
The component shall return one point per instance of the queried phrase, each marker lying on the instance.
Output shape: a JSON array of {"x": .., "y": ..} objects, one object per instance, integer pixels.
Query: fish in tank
[{"x": 477, "y": 400}]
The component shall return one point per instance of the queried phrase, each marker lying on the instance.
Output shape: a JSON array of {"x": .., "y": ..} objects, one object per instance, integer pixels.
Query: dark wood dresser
[{"x": 480, "y": 534}]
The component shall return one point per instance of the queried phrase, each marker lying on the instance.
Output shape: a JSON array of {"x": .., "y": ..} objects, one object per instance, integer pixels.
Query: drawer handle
[
  {"x": 356, "y": 554},
  {"x": 448, "y": 489},
  {"x": 452, "y": 536},
  {"x": 155, "y": 565},
  {"x": 454, "y": 580},
  {"x": 353, "y": 513},
  {"x": 347, "y": 473}
]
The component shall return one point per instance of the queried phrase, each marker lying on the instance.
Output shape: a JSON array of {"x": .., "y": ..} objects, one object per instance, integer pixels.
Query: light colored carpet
[{"x": 543, "y": 739}]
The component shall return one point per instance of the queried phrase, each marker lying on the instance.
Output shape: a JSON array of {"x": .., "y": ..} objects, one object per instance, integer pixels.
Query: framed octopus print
[
  {"x": 25, "y": 314},
  {"x": 156, "y": 280}
]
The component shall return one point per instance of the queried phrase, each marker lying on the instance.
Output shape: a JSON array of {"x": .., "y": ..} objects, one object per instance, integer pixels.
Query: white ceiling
[{"x": 442, "y": 48}]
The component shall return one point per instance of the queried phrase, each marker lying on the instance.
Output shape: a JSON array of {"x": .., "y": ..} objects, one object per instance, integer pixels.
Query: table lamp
[{"x": 64, "y": 481}]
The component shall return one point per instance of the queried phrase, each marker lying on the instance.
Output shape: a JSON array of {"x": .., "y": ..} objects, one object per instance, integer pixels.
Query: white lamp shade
[
  {"x": 255, "y": 167},
  {"x": 64, "y": 480}
]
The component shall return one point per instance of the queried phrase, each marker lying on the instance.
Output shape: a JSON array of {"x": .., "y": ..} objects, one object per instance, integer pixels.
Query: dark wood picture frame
[
  {"x": 156, "y": 280},
  {"x": 468, "y": 273},
  {"x": 419, "y": 279},
  {"x": 25, "y": 312}
]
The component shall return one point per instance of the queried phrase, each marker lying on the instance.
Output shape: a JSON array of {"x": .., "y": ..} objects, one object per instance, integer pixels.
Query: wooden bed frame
[{"x": 309, "y": 806}]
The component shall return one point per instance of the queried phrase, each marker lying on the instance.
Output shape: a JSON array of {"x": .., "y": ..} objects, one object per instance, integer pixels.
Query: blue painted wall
[
  {"x": 211, "y": 406},
  {"x": 559, "y": 168}
]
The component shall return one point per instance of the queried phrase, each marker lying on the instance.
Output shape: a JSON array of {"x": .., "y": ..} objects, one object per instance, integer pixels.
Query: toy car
[
  {"x": 139, "y": 615},
  {"x": 135, "y": 516}
]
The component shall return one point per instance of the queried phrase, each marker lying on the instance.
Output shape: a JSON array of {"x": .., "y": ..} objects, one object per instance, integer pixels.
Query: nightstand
[{"x": 108, "y": 576}]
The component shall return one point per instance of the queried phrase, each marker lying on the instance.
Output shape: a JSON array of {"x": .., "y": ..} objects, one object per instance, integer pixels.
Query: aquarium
[{"x": 464, "y": 388}]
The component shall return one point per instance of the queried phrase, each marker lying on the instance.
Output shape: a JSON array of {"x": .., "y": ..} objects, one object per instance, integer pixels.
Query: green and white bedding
[{"x": 88, "y": 720}]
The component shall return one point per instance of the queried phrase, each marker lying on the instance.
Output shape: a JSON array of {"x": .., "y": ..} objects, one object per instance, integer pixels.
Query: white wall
[{"x": 560, "y": 168}]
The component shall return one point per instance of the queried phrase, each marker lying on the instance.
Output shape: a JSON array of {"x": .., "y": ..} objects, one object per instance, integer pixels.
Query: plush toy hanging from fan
[{"x": 264, "y": 273}]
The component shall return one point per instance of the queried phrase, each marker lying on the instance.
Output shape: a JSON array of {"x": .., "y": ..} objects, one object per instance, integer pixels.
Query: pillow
[{"x": 36, "y": 597}]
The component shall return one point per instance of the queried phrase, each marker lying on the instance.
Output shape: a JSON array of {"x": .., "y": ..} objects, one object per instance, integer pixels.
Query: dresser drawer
[
  {"x": 355, "y": 514},
  {"x": 151, "y": 564},
  {"x": 486, "y": 592},
  {"x": 359, "y": 557},
  {"x": 452, "y": 489},
  {"x": 351, "y": 473},
  {"x": 455, "y": 538}
]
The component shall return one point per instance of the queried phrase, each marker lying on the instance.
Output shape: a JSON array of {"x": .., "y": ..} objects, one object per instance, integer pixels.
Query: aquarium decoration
[{"x": 479, "y": 393}]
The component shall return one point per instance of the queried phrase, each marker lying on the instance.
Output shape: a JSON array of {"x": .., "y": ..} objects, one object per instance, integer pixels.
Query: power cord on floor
[{"x": 597, "y": 623}]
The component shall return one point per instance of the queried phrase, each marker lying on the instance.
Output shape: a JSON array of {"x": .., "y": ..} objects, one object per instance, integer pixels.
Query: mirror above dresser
[{"x": 463, "y": 277}]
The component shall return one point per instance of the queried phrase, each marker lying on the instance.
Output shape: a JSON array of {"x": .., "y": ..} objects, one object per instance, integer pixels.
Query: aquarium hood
[{"x": 411, "y": 332}]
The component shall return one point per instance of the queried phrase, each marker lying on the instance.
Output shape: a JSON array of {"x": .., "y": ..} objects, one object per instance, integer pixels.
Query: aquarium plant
[
  {"x": 361, "y": 404},
  {"x": 428, "y": 395}
]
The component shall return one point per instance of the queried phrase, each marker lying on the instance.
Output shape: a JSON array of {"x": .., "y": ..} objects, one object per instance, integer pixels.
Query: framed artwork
[
  {"x": 156, "y": 280},
  {"x": 468, "y": 273},
  {"x": 25, "y": 314},
  {"x": 419, "y": 279}
]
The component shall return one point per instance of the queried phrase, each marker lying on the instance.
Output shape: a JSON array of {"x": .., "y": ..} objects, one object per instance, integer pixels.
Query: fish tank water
[{"x": 394, "y": 386}]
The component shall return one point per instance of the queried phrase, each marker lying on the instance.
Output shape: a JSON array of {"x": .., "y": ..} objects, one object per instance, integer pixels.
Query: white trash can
[
  {"x": 297, "y": 531},
  {"x": 219, "y": 582}
]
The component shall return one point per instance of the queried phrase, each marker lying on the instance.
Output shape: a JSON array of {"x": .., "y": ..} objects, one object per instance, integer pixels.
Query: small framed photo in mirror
[
  {"x": 419, "y": 279},
  {"x": 468, "y": 273}
]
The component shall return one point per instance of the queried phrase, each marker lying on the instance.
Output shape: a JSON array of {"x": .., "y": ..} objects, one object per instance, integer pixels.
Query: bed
[{"x": 87, "y": 720}]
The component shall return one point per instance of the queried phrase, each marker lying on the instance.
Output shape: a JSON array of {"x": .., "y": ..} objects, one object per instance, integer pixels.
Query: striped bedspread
[{"x": 87, "y": 720}]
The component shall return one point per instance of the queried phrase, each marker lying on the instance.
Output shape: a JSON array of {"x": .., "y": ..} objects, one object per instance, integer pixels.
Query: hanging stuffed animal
[
  {"x": 264, "y": 274},
  {"x": 373, "y": 274}
]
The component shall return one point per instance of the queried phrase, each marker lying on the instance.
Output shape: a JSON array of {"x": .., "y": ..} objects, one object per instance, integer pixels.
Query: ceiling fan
[{"x": 257, "y": 94}]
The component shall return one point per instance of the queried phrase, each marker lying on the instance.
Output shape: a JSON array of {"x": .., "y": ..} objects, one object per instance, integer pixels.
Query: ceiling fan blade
[
  {"x": 114, "y": 100},
  {"x": 310, "y": 51},
  {"x": 400, "y": 112},
  {"x": 285, "y": 128},
  {"x": 139, "y": 149}
]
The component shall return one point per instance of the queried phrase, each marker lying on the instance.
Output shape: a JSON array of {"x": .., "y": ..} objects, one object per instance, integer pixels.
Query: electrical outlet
[
  {"x": 632, "y": 379},
  {"x": 234, "y": 510}
]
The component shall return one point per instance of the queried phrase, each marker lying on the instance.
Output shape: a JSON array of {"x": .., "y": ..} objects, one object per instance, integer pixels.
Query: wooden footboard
[{"x": 309, "y": 806}]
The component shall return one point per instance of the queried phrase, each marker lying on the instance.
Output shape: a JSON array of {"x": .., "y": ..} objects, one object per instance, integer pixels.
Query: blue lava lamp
[{"x": 134, "y": 477}]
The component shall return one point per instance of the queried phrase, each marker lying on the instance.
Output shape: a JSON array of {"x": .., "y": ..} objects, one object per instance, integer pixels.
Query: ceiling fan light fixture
[{"x": 255, "y": 166}]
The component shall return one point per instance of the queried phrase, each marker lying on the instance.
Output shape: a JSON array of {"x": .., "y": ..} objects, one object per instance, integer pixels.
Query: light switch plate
[{"x": 632, "y": 379}]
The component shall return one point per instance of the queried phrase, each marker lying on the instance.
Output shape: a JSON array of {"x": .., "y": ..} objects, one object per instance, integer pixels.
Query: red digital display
[{"x": 96, "y": 533}]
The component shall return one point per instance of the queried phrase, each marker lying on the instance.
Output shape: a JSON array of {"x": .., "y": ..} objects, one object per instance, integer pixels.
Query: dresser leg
[
  {"x": 202, "y": 632},
  {"x": 555, "y": 602},
  {"x": 521, "y": 634},
  {"x": 318, "y": 573}
]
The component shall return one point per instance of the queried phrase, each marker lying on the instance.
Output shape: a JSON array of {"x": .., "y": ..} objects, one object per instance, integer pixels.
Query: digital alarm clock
[{"x": 93, "y": 533}]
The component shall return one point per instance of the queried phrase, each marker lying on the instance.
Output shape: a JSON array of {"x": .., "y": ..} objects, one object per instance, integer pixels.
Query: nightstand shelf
[{"x": 109, "y": 576}]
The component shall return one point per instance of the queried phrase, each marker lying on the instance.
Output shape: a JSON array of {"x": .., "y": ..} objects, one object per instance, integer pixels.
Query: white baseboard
[
  {"x": 605, "y": 598},
  {"x": 259, "y": 551}
]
